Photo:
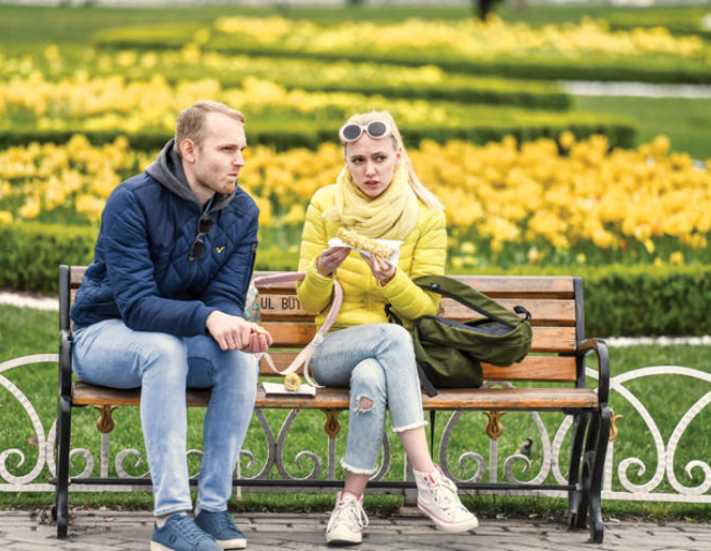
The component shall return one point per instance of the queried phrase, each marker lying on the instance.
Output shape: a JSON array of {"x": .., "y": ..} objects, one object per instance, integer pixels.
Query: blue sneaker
[
  {"x": 221, "y": 527},
  {"x": 180, "y": 533}
]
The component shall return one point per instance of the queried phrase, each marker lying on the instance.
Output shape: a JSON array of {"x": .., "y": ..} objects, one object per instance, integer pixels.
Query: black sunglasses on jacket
[{"x": 205, "y": 223}]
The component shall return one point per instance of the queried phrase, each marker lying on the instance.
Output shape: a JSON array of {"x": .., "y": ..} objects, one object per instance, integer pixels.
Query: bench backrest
[{"x": 555, "y": 303}]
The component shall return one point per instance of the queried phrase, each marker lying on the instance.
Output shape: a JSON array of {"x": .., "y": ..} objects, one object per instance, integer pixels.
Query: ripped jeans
[{"x": 377, "y": 362}]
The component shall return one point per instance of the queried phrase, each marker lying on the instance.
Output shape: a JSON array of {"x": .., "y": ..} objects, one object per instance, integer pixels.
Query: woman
[{"x": 378, "y": 195}]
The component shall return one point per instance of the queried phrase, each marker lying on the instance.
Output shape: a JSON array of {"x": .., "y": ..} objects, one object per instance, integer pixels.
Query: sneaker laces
[
  {"x": 444, "y": 494},
  {"x": 224, "y": 520},
  {"x": 349, "y": 511},
  {"x": 187, "y": 527}
]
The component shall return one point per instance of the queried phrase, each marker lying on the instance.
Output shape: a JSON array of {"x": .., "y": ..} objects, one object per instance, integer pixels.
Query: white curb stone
[
  {"x": 636, "y": 89},
  {"x": 28, "y": 301}
]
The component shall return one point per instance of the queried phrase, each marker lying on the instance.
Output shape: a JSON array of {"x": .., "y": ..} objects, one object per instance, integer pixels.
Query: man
[{"x": 161, "y": 307}]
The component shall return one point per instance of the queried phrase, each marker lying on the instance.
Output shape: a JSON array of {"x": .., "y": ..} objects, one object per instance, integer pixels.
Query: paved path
[
  {"x": 129, "y": 531},
  {"x": 637, "y": 89}
]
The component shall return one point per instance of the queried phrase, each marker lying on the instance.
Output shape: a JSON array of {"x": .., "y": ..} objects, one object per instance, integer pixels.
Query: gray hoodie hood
[{"x": 168, "y": 170}]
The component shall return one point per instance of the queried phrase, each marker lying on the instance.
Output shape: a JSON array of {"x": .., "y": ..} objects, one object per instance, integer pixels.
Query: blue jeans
[
  {"x": 377, "y": 362},
  {"x": 110, "y": 354}
]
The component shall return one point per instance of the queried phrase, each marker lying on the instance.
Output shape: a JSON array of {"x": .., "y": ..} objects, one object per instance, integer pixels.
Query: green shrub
[
  {"x": 683, "y": 20},
  {"x": 652, "y": 68},
  {"x": 619, "y": 300},
  {"x": 658, "y": 69},
  {"x": 427, "y": 82},
  {"x": 649, "y": 301},
  {"x": 679, "y": 18},
  {"x": 154, "y": 37},
  {"x": 528, "y": 94},
  {"x": 32, "y": 252},
  {"x": 623, "y": 300},
  {"x": 484, "y": 124}
]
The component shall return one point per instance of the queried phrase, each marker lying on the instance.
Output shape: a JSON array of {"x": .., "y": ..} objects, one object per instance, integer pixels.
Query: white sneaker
[
  {"x": 347, "y": 520},
  {"x": 437, "y": 498}
]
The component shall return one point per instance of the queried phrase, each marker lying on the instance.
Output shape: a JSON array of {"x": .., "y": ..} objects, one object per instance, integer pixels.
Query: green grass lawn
[
  {"x": 679, "y": 19},
  {"x": 27, "y": 25},
  {"x": 25, "y": 332},
  {"x": 685, "y": 121}
]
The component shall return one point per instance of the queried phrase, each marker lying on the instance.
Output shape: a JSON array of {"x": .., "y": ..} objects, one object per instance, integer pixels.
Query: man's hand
[
  {"x": 235, "y": 333},
  {"x": 259, "y": 340}
]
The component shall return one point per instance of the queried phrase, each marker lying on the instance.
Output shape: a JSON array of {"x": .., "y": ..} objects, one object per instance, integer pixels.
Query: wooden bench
[{"x": 558, "y": 351}]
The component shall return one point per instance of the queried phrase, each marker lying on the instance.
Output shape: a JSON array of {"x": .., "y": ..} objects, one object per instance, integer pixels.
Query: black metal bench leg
[
  {"x": 63, "y": 441},
  {"x": 597, "y": 476},
  {"x": 581, "y": 517},
  {"x": 580, "y": 423}
]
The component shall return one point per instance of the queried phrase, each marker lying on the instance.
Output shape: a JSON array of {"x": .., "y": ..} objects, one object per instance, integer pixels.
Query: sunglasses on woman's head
[
  {"x": 351, "y": 131},
  {"x": 197, "y": 249}
]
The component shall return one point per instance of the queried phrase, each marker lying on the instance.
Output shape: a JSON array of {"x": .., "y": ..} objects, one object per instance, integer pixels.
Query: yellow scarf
[{"x": 391, "y": 215}]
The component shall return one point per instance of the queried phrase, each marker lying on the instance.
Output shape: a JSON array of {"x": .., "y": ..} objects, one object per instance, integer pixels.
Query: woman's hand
[
  {"x": 382, "y": 270},
  {"x": 330, "y": 259}
]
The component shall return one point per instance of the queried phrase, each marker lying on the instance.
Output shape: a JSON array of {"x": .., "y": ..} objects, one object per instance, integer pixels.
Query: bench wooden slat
[
  {"x": 532, "y": 368},
  {"x": 543, "y": 311},
  {"x": 334, "y": 398},
  {"x": 283, "y": 307},
  {"x": 523, "y": 286},
  {"x": 545, "y": 339},
  {"x": 560, "y": 287},
  {"x": 75, "y": 275},
  {"x": 496, "y": 286}
]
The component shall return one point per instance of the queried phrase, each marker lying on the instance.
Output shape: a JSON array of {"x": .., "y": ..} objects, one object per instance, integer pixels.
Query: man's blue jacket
[{"x": 141, "y": 272}]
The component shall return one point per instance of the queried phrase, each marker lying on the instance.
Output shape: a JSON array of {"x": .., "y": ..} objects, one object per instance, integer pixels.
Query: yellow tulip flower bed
[
  {"x": 81, "y": 102},
  {"x": 38, "y": 108},
  {"x": 466, "y": 38},
  {"x": 536, "y": 202},
  {"x": 589, "y": 49},
  {"x": 191, "y": 63}
]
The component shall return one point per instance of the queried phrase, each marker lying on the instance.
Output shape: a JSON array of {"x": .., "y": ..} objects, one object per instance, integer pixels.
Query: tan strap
[{"x": 303, "y": 357}]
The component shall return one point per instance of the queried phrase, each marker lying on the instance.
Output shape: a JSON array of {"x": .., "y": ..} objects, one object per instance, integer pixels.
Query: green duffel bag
[{"x": 449, "y": 353}]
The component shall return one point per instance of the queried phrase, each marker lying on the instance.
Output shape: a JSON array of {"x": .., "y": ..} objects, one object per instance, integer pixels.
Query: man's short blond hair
[{"x": 191, "y": 121}]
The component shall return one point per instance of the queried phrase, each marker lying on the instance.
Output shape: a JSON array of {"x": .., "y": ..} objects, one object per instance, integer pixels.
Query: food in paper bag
[
  {"x": 383, "y": 249},
  {"x": 365, "y": 244}
]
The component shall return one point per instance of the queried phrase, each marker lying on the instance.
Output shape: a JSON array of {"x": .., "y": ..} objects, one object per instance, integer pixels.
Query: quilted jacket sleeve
[
  {"x": 131, "y": 273},
  {"x": 429, "y": 257},
  {"x": 314, "y": 292}
]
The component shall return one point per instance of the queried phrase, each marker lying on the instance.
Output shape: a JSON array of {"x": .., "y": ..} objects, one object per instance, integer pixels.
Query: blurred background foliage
[{"x": 536, "y": 178}]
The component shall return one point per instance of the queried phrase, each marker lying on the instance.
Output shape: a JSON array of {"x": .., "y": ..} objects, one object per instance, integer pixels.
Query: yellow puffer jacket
[{"x": 424, "y": 252}]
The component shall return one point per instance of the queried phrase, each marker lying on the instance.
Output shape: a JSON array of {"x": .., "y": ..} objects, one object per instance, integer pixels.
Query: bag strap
[
  {"x": 434, "y": 284},
  {"x": 303, "y": 357}
]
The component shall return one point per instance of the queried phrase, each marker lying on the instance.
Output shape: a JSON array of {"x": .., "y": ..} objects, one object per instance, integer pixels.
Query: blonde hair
[
  {"x": 191, "y": 121},
  {"x": 427, "y": 197}
]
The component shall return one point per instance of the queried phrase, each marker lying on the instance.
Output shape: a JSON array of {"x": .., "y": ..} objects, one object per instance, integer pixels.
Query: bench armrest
[
  {"x": 65, "y": 363},
  {"x": 603, "y": 365}
]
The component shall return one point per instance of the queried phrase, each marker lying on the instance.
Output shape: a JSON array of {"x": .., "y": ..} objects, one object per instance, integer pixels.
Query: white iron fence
[{"x": 628, "y": 472}]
